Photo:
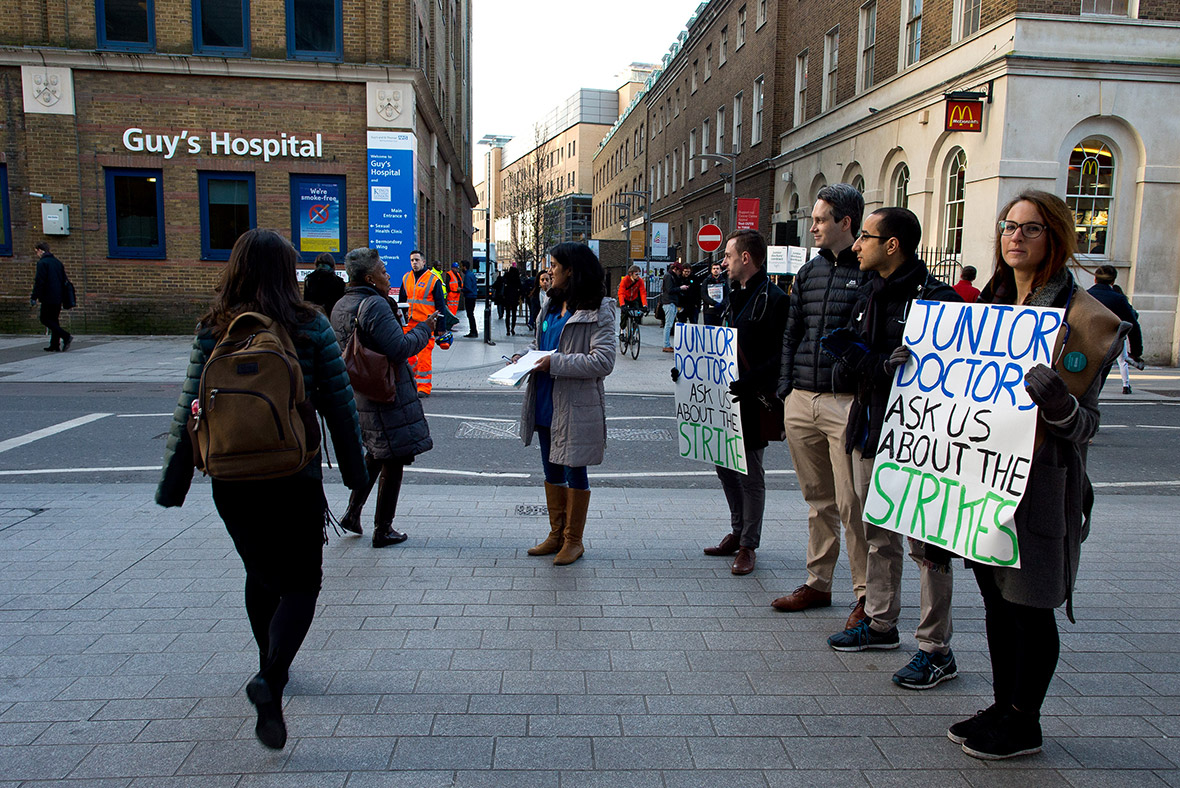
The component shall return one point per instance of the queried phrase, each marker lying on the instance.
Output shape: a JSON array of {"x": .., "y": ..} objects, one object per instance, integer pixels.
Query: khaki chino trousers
[{"x": 815, "y": 424}]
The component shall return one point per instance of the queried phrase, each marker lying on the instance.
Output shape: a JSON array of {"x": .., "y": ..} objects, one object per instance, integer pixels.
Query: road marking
[
  {"x": 1157, "y": 427},
  {"x": 36, "y": 435},
  {"x": 1171, "y": 483},
  {"x": 672, "y": 474},
  {"x": 35, "y": 471},
  {"x": 142, "y": 415},
  {"x": 477, "y": 474},
  {"x": 638, "y": 418},
  {"x": 469, "y": 418}
]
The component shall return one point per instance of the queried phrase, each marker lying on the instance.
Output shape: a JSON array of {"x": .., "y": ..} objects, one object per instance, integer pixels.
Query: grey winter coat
[
  {"x": 585, "y": 355},
  {"x": 389, "y": 429}
]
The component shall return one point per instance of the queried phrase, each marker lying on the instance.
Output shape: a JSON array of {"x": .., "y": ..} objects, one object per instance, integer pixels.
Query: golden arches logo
[
  {"x": 1090, "y": 167},
  {"x": 963, "y": 115}
]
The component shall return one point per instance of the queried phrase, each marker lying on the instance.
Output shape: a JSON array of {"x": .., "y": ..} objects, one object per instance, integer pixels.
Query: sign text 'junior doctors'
[{"x": 223, "y": 143}]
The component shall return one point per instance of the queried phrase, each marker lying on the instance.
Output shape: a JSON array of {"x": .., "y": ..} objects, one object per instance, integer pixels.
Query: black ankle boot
[
  {"x": 385, "y": 535},
  {"x": 351, "y": 521}
]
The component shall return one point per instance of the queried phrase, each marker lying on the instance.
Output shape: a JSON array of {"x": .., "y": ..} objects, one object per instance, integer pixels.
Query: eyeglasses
[
  {"x": 865, "y": 235},
  {"x": 1029, "y": 230}
]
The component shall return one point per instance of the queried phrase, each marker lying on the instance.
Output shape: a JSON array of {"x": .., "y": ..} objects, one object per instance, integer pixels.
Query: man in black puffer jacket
[
  {"x": 869, "y": 358},
  {"x": 816, "y": 406}
]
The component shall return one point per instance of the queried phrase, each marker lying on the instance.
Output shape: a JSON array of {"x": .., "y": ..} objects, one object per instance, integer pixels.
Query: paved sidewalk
[{"x": 456, "y": 659}]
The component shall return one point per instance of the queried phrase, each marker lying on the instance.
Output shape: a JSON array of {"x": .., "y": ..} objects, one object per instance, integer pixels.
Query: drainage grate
[
  {"x": 638, "y": 435},
  {"x": 531, "y": 511},
  {"x": 489, "y": 430}
]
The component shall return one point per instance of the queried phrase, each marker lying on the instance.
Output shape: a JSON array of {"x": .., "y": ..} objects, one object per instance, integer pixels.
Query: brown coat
[{"x": 585, "y": 356}]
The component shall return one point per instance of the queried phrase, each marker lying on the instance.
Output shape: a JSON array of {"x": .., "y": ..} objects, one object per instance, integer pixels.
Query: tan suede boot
[
  {"x": 575, "y": 523},
  {"x": 555, "y": 497}
]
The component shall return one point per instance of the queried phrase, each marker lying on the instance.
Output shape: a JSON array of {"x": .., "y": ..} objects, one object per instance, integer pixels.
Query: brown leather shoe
[
  {"x": 857, "y": 615},
  {"x": 728, "y": 546},
  {"x": 802, "y": 598},
  {"x": 744, "y": 563}
]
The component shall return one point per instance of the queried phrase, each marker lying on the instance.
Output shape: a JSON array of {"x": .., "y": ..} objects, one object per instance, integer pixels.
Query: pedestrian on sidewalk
[
  {"x": 511, "y": 295},
  {"x": 394, "y": 432},
  {"x": 1034, "y": 246},
  {"x": 817, "y": 407},
  {"x": 757, "y": 310},
  {"x": 537, "y": 297},
  {"x": 49, "y": 287},
  {"x": 671, "y": 293},
  {"x": 277, "y": 525},
  {"x": 470, "y": 297},
  {"x": 322, "y": 286},
  {"x": 714, "y": 295},
  {"x": 1112, "y": 297},
  {"x": 564, "y": 402},
  {"x": 869, "y": 352}
]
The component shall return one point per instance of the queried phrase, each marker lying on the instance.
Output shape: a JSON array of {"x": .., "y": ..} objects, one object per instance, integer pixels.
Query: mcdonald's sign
[{"x": 964, "y": 115}]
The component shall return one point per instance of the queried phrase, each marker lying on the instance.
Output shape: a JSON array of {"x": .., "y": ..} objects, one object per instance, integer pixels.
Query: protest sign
[
  {"x": 709, "y": 425},
  {"x": 957, "y": 442}
]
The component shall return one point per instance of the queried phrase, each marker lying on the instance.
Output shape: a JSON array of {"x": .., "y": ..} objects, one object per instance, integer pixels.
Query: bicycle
[{"x": 629, "y": 332}]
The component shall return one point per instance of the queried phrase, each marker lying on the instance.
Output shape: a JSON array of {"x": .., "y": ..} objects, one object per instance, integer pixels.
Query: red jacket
[{"x": 631, "y": 289}]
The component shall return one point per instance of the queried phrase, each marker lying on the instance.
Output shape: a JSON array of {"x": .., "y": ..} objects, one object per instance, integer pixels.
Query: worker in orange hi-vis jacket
[
  {"x": 454, "y": 287},
  {"x": 423, "y": 294}
]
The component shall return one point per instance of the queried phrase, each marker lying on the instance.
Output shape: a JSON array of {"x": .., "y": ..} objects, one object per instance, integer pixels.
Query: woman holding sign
[
  {"x": 564, "y": 402},
  {"x": 1035, "y": 241}
]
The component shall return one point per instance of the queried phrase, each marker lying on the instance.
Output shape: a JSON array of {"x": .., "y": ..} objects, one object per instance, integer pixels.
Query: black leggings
[
  {"x": 1023, "y": 644},
  {"x": 278, "y": 529}
]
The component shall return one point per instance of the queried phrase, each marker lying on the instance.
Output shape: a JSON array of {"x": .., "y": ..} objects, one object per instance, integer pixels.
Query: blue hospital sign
[{"x": 393, "y": 196}]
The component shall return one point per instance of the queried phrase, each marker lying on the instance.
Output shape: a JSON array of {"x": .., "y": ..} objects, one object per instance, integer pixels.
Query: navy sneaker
[
  {"x": 927, "y": 670},
  {"x": 1013, "y": 734},
  {"x": 963, "y": 730},
  {"x": 862, "y": 637}
]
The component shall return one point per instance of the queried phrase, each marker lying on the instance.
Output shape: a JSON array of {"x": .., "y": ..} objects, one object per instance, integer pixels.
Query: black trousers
[
  {"x": 278, "y": 529},
  {"x": 1023, "y": 644},
  {"x": 510, "y": 313},
  {"x": 470, "y": 308},
  {"x": 746, "y": 495},
  {"x": 389, "y": 473},
  {"x": 712, "y": 318},
  {"x": 50, "y": 318}
]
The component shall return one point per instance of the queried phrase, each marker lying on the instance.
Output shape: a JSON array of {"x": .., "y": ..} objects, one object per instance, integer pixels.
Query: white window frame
[
  {"x": 1079, "y": 200},
  {"x": 704, "y": 144},
  {"x": 801, "y": 67},
  {"x": 952, "y": 200},
  {"x": 723, "y": 54},
  {"x": 695, "y": 72},
  {"x": 741, "y": 31},
  {"x": 720, "y": 146},
  {"x": 867, "y": 46},
  {"x": 708, "y": 62},
  {"x": 736, "y": 134},
  {"x": 690, "y": 165},
  {"x": 910, "y": 40},
  {"x": 1100, "y": 8},
  {"x": 831, "y": 68},
  {"x": 758, "y": 99},
  {"x": 901, "y": 185},
  {"x": 761, "y": 14},
  {"x": 965, "y": 19}
]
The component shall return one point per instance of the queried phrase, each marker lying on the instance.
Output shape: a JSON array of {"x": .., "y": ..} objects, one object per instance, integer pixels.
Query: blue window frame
[
  {"x": 135, "y": 213},
  {"x": 319, "y": 219},
  {"x": 128, "y": 25},
  {"x": 5, "y": 217},
  {"x": 227, "y": 211},
  {"x": 315, "y": 29},
  {"x": 221, "y": 27}
]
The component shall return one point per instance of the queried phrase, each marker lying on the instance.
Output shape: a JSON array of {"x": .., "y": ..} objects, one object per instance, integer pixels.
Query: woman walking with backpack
[
  {"x": 277, "y": 522},
  {"x": 395, "y": 431},
  {"x": 564, "y": 401}
]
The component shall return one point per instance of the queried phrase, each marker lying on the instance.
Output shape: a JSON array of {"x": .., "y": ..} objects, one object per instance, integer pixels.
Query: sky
[{"x": 530, "y": 55}]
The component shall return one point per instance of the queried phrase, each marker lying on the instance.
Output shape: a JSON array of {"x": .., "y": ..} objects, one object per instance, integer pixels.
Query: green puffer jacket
[{"x": 326, "y": 383}]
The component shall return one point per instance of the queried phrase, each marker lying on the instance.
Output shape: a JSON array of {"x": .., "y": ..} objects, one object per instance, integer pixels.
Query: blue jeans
[
  {"x": 562, "y": 475},
  {"x": 669, "y": 321}
]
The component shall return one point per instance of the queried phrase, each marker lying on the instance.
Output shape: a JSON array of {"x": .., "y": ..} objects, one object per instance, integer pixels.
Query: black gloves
[
  {"x": 784, "y": 390},
  {"x": 675, "y": 374},
  {"x": 1047, "y": 389},
  {"x": 897, "y": 359},
  {"x": 740, "y": 388},
  {"x": 846, "y": 346}
]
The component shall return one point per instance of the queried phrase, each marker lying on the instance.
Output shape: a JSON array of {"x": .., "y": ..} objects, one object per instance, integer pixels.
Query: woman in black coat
[
  {"x": 511, "y": 299},
  {"x": 394, "y": 432},
  {"x": 1035, "y": 241}
]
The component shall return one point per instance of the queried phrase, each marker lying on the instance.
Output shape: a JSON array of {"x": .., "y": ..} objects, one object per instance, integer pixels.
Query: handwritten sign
[
  {"x": 955, "y": 449},
  {"x": 709, "y": 424}
]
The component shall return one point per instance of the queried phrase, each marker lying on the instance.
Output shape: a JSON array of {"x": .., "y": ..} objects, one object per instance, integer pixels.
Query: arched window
[
  {"x": 1089, "y": 192},
  {"x": 858, "y": 183},
  {"x": 956, "y": 188},
  {"x": 901, "y": 186}
]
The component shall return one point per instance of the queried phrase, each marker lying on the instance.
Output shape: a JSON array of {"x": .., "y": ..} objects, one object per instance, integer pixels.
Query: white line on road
[
  {"x": 1172, "y": 483},
  {"x": 37, "y": 435},
  {"x": 468, "y": 418},
  {"x": 35, "y": 471},
  {"x": 673, "y": 474},
  {"x": 639, "y": 418},
  {"x": 142, "y": 415},
  {"x": 478, "y": 474}
]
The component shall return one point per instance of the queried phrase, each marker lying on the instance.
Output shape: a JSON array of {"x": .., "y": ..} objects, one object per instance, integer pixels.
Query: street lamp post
[
  {"x": 492, "y": 141},
  {"x": 731, "y": 159}
]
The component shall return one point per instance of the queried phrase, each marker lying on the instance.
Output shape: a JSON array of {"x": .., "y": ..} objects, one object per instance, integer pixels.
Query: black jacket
[
  {"x": 821, "y": 300},
  {"x": 712, "y": 307},
  {"x": 758, "y": 312},
  {"x": 1114, "y": 300},
  {"x": 49, "y": 283},
  {"x": 323, "y": 287},
  {"x": 879, "y": 315}
]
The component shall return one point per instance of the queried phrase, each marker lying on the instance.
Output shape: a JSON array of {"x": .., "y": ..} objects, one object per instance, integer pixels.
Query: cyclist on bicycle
[{"x": 632, "y": 295}]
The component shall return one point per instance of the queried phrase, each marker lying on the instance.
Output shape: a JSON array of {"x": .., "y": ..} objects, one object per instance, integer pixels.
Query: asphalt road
[{"x": 123, "y": 426}]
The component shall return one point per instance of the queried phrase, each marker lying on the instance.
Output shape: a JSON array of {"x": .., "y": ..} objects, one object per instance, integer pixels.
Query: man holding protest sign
[
  {"x": 817, "y": 406},
  {"x": 869, "y": 352}
]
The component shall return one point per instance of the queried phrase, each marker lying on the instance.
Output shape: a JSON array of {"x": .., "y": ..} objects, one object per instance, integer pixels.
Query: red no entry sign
[{"x": 709, "y": 238}]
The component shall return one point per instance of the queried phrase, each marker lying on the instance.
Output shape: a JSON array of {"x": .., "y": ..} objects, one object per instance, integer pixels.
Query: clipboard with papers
[{"x": 514, "y": 374}]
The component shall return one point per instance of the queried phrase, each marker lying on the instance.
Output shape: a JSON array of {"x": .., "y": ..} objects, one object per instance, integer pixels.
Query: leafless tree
[{"x": 525, "y": 199}]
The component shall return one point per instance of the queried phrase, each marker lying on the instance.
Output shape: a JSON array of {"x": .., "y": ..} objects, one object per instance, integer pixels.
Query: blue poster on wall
[
  {"x": 319, "y": 208},
  {"x": 393, "y": 199}
]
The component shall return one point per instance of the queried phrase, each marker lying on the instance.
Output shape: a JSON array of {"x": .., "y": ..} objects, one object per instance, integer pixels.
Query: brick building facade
[{"x": 168, "y": 128}]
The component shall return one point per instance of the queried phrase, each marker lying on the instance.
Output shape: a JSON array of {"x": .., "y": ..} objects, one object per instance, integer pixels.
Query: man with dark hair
[
  {"x": 714, "y": 295},
  {"x": 49, "y": 286},
  {"x": 757, "y": 312},
  {"x": 966, "y": 290},
  {"x": 322, "y": 286},
  {"x": 470, "y": 297},
  {"x": 870, "y": 352},
  {"x": 1111, "y": 296},
  {"x": 816, "y": 405},
  {"x": 423, "y": 293}
]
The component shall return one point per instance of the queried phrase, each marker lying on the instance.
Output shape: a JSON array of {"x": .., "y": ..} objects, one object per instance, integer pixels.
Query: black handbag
[
  {"x": 69, "y": 296},
  {"x": 371, "y": 373}
]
